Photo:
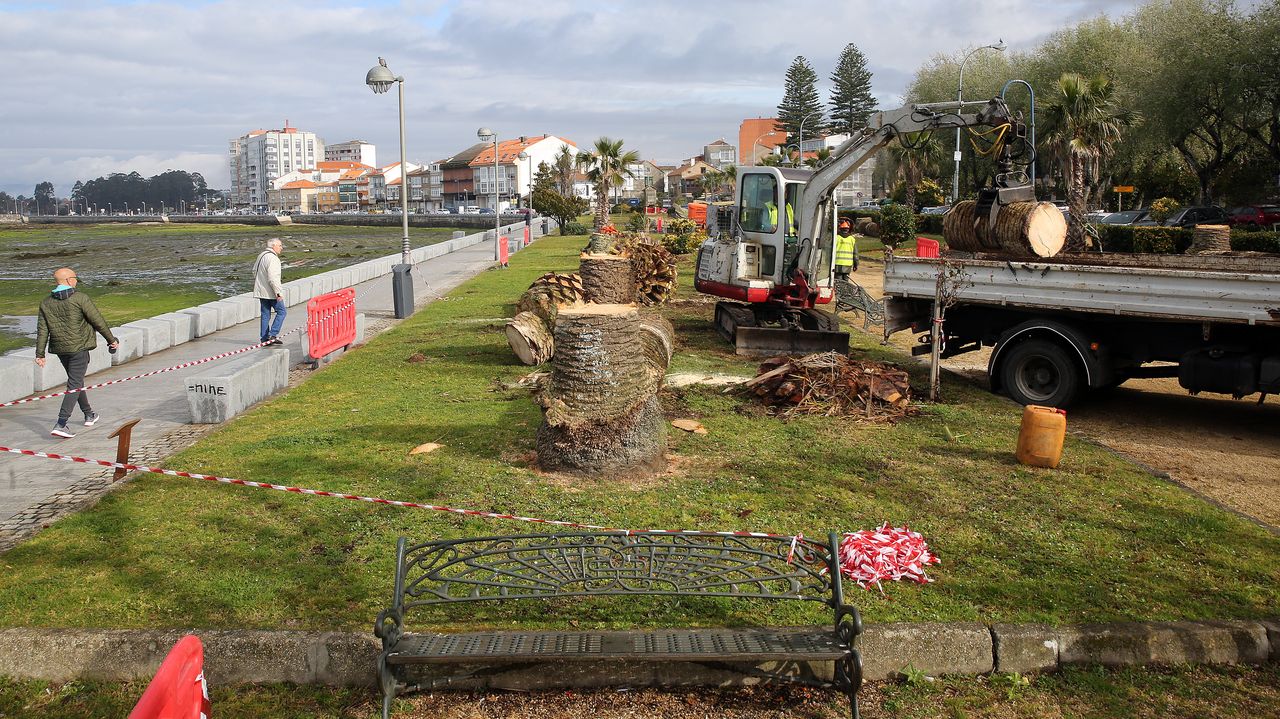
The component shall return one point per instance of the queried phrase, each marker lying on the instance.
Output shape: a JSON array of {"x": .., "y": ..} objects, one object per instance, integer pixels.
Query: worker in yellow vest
[
  {"x": 772, "y": 209},
  {"x": 846, "y": 250}
]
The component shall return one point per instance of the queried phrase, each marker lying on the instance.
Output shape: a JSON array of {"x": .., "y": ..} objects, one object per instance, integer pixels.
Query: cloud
[{"x": 91, "y": 87}]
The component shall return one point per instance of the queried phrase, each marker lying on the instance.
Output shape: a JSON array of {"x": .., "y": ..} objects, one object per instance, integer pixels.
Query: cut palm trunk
[
  {"x": 654, "y": 268},
  {"x": 1210, "y": 238},
  {"x": 600, "y": 412},
  {"x": 607, "y": 279},
  {"x": 657, "y": 340},
  {"x": 530, "y": 338},
  {"x": 1022, "y": 229}
]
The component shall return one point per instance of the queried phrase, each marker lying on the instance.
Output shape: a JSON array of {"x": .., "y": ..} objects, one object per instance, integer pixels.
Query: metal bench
[{"x": 582, "y": 564}]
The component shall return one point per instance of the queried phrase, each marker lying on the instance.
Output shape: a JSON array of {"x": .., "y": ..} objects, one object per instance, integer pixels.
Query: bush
[
  {"x": 929, "y": 223},
  {"x": 636, "y": 223},
  {"x": 897, "y": 225},
  {"x": 1255, "y": 241},
  {"x": 1163, "y": 208},
  {"x": 1161, "y": 240},
  {"x": 683, "y": 236},
  {"x": 1116, "y": 238},
  {"x": 574, "y": 228}
]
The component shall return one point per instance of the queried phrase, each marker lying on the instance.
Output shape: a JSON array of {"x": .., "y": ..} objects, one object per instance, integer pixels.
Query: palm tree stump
[
  {"x": 600, "y": 408},
  {"x": 530, "y": 338},
  {"x": 1022, "y": 229},
  {"x": 607, "y": 279},
  {"x": 1209, "y": 239}
]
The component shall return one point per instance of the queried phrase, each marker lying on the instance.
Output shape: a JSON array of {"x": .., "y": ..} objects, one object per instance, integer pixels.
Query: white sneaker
[
  {"x": 91, "y": 419},
  {"x": 61, "y": 430}
]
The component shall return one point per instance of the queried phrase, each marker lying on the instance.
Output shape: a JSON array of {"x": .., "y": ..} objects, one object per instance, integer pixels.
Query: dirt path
[{"x": 1228, "y": 450}]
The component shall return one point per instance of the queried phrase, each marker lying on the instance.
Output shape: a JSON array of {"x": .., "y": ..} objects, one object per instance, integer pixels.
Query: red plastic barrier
[
  {"x": 503, "y": 251},
  {"x": 926, "y": 247},
  {"x": 659, "y": 224},
  {"x": 526, "y": 236},
  {"x": 178, "y": 690},
  {"x": 331, "y": 322},
  {"x": 651, "y": 210}
]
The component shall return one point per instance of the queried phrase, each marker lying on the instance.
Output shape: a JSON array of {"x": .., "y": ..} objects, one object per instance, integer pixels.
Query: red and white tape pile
[{"x": 869, "y": 557}]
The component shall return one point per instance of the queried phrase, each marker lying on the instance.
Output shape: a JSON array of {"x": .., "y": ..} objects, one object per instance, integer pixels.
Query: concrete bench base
[
  {"x": 157, "y": 335},
  {"x": 132, "y": 344},
  {"x": 220, "y": 393},
  {"x": 181, "y": 326},
  {"x": 17, "y": 377},
  {"x": 204, "y": 320}
]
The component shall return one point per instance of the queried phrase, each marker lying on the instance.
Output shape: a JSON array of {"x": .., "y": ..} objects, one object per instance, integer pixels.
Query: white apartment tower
[
  {"x": 261, "y": 156},
  {"x": 352, "y": 151}
]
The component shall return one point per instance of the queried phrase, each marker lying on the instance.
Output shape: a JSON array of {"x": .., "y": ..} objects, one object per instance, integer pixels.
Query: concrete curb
[{"x": 350, "y": 658}]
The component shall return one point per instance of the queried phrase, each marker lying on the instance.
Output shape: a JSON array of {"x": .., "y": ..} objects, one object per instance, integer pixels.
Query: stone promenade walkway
[{"x": 35, "y": 492}]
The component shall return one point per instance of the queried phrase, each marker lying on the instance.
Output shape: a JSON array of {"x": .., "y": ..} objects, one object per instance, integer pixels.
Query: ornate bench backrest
[{"x": 611, "y": 563}]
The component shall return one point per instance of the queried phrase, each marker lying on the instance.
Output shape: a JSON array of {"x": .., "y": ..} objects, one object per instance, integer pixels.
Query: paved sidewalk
[{"x": 34, "y": 492}]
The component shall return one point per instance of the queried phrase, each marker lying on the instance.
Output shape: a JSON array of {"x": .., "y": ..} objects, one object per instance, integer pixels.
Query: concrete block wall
[
  {"x": 51, "y": 375},
  {"x": 132, "y": 344},
  {"x": 17, "y": 377},
  {"x": 156, "y": 334},
  {"x": 182, "y": 327},
  {"x": 205, "y": 320},
  {"x": 220, "y": 393}
]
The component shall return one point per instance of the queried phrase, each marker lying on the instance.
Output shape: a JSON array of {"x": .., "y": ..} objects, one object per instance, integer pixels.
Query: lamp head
[
  {"x": 486, "y": 134},
  {"x": 380, "y": 79},
  {"x": 523, "y": 155},
  {"x": 1000, "y": 45}
]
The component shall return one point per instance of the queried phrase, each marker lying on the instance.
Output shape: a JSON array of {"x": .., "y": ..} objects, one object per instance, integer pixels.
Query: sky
[{"x": 90, "y": 88}]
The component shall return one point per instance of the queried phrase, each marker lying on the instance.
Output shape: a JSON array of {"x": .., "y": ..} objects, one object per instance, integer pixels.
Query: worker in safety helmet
[{"x": 846, "y": 249}]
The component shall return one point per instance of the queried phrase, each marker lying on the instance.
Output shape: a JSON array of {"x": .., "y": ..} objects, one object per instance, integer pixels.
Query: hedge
[
  {"x": 1176, "y": 240},
  {"x": 924, "y": 223}
]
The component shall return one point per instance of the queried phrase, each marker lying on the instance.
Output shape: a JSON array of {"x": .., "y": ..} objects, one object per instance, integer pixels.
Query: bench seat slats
[{"x": 815, "y": 644}]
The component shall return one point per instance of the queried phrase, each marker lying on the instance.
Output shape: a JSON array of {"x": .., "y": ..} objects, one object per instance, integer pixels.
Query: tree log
[
  {"x": 1210, "y": 238},
  {"x": 1022, "y": 229},
  {"x": 530, "y": 338},
  {"x": 657, "y": 339},
  {"x": 634, "y": 441},
  {"x": 607, "y": 279},
  {"x": 597, "y": 371},
  {"x": 654, "y": 269}
]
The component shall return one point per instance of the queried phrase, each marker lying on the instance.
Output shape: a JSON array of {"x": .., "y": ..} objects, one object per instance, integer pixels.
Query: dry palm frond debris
[{"x": 832, "y": 384}]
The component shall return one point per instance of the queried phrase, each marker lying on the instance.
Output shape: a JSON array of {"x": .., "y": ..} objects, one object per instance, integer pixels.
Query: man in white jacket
[{"x": 267, "y": 288}]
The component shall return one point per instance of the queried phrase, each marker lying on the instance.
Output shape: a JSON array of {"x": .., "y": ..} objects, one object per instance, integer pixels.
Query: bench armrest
[{"x": 389, "y": 627}]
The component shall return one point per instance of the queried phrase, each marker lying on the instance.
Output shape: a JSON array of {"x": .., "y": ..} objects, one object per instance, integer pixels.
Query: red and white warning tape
[
  {"x": 174, "y": 368},
  {"x": 866, "y": 557}
]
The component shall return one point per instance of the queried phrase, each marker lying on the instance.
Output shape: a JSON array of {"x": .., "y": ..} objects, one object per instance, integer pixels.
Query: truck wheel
[{"x": 1040, "y": 372}]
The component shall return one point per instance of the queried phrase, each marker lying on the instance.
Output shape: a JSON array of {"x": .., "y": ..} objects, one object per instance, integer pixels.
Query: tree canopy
[
  {"x": 800, "y": 103},
  {"x": 851, "y": 99}
]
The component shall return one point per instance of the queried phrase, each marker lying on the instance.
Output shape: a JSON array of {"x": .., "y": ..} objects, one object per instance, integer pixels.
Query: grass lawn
[
  {"x": 1096, "y": 540},
  {"x": 1153, "y": 693}
]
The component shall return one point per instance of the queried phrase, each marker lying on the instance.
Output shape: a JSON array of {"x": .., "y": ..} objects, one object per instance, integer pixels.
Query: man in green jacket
[{"x": 66, "y": 326}]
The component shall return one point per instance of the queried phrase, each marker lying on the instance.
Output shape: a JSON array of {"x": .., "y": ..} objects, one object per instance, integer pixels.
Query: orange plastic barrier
[
  {"x": 698, "y": 213},
  {"x": 331, "y": 322},
  {"x": 659, "y": 224},
  {"x": 926, "y": 247},
  {"x": 526, "y": 236},
  {"x": 178, "y": 690},
  {"x": 504, "y": 251}
]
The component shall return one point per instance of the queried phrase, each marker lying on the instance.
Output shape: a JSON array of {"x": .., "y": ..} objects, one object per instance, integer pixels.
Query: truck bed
[{"x": 1231, "y": 289}]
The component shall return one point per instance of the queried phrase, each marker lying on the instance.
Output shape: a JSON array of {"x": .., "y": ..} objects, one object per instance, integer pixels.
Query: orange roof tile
[
  {"x": 335, "y": 165},
  {"x": 507, "y": 151},
  {"x": 296, "y": 184}
]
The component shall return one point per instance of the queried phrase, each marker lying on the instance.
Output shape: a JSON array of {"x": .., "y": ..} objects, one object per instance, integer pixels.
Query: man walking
[
  {"x": 67, "y": 325},
  {"x": 268, "y": 290}
]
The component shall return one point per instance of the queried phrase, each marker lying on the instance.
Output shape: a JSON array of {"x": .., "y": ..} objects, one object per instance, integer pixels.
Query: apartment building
[
  {"x": 856, "y": 188},
  {"x": 259, "y": 157},
  {"x": 357, "y": 151},
  {"x": 757, "y": 137},
  {"x": 296, "y": 196},
  {"x": 456, "y": 178},
  {"x": 643, "y": 174},
  {"x": 513, "y": 177}
]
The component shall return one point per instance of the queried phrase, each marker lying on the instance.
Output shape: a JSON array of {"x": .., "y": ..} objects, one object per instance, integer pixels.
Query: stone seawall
[{"x": 478, "y": 222}]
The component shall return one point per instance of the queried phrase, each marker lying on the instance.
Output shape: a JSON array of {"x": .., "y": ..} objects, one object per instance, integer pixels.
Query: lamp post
[
  {"x": 800, "y": 144},
  {"x": 757, "y": 143},
  {"x": 955, "y": 180},
  {"x": 379, "y": 79},
  {"x": 529, "y": 165},
  {"x": 487, "y": 135}
]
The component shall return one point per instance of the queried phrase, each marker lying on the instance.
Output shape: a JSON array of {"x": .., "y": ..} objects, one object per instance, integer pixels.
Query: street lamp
[
  {"x": 757, "y": 143},
  {"x": 529, "y": 164},
  {"x": 379, "y": 79},
  {"x": 487, "y": 135},
  {"x": 800, "y": 145},
  {"x": 955, "y": 180}
]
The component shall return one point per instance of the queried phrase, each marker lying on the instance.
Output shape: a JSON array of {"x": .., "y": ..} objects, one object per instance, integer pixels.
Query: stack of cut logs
[
  {"x": 1022, "y": 229},
  {"x": 613, "y": 261},
  {"x": 608, "y": 358}
]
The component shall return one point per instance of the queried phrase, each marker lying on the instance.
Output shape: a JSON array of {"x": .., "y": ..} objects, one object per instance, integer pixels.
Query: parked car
[
  {"x": 1127, "y": 217},
  {"x": 1096, "y": 216},
  {"x": 939, "y": 210},
  {"x": 1254, "y": 216},
  {"x": 486, "y": 210},
  {"x": 1189, "y": 217}
]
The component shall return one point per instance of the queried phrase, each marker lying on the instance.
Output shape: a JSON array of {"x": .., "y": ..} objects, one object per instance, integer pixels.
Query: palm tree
[
  {"x": 712, "y": 181},
  {"x": 1083, "y": 125},
  {"x": 607, "y": 165},
  {"x": 820, "y": 157},
  {"x": 915, "y": 155}
]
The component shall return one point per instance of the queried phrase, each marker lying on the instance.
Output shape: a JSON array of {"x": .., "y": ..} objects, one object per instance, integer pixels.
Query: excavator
[{"x": 770, "y": 255}]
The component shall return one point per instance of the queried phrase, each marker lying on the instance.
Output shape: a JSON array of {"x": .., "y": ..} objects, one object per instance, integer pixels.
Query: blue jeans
[{"x": 266, "y": 323}]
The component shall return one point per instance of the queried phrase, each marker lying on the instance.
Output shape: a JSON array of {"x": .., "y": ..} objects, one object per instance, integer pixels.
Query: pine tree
[
  {"x": 800, "y": 102},
  {"x": 851, "y": 99}
]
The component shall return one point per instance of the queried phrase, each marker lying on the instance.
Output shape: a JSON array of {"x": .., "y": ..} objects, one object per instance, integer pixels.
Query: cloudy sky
[{"x": 88, "y": 88}]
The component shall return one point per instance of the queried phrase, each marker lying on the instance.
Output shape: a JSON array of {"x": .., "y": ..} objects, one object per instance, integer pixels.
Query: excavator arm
[{"x": 815, "y": 206}]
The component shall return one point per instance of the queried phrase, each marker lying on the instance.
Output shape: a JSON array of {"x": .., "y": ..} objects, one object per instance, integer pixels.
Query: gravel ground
[{"x": 1227, "y": 450}]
